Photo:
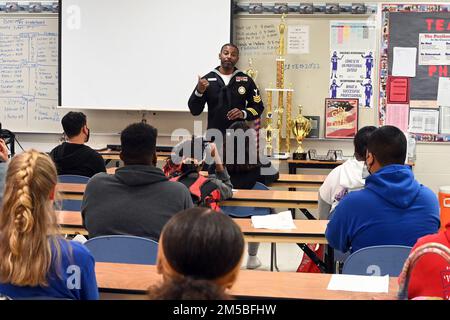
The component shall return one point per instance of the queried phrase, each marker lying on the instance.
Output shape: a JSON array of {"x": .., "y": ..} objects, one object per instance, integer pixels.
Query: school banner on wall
[{"x": 352, "y": 61}]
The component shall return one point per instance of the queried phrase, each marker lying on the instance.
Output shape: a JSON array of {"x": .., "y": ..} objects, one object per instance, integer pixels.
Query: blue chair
[
  {"x": 244, "y": 212},
  {"x": 377, "y": 261},
  {"x": 71, "y": 205},
  {"x": 72, "y": 178},
  {"x": 123, "y": 249}
]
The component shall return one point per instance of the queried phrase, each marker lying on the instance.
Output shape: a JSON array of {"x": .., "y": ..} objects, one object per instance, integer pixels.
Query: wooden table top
[
  {"x": 307, "y": 231},
  {"x": 127, "y": 278},
  {"x": 276, "y": 195},
  {"x": 279, "y": 196}
]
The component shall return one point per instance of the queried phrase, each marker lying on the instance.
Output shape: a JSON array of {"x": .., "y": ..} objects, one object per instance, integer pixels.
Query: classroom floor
[{"x": 288, "y": 257}]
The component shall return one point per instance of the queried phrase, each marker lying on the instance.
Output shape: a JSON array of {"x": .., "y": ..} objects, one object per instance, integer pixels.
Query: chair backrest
[
  {"x": 377, "y": 261},
  {"x": 72, "y": 178},
  {"x": 123, "y": 249},
  {"x": 242, "y": 212}
]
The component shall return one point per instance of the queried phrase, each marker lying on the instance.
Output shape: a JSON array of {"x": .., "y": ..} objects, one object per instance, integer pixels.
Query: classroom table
[
  {"x": 307, "y": 231},
  {"x": 293, "y": 165},
  {"x": 128, "y": 281},
  {"x": 300, "y": 181},
  {"x": 241, "y": 198},
  {"x": 110, "y": 155}
]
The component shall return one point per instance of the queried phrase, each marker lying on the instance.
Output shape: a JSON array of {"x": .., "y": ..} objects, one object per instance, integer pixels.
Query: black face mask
[{"x": 88, "y": 135}]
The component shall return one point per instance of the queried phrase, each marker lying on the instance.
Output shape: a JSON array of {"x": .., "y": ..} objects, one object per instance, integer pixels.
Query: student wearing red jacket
[{"x": 431, "y": 274}]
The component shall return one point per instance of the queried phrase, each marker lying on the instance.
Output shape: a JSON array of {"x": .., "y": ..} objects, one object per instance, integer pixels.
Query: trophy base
[
  {"x": 299, "y": 156},
  {"x": 280, "y": 155}
]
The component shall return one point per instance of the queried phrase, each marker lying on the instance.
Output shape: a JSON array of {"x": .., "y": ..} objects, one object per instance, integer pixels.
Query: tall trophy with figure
[
  {"x": 276, "y": 122},
  {"x": 300, "y": 127}
]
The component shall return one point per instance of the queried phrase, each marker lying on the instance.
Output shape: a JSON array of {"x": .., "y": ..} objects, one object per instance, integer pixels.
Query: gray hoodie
[{"x": 137, "y": 200}]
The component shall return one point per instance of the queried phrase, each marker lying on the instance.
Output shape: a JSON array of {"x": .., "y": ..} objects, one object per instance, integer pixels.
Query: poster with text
[
  {"x": 434, "y": 49},
  {"x": 353, "y": 35},
  {"x": 351, "y": 76}
]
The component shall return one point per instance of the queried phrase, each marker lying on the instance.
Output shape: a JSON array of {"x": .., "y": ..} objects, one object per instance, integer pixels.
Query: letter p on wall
[{"x": 442, "y": 71}]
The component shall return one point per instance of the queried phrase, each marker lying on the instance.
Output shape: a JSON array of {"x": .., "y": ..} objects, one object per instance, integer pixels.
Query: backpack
[{"x": 204, "y": 192}]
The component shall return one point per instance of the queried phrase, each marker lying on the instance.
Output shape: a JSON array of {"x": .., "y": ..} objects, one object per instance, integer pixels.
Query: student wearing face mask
[
  {"x": 392, "y": 209},
  {"x": 349, "y": 176},
  {"x": 73, "y": 156}
]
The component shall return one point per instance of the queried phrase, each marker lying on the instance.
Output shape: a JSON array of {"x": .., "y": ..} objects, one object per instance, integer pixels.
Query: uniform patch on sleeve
[
  {"x": 253, "y": 111},
  {"x": 241, "y": 90}
]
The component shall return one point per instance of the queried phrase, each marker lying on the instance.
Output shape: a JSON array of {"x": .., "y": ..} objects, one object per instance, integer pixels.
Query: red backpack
[{"x": 204, "y": 192}]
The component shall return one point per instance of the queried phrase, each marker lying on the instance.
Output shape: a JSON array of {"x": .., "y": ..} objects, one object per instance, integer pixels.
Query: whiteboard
[
  {"x": 138, "y": 54},
  {"x": 29, "y": 73}
]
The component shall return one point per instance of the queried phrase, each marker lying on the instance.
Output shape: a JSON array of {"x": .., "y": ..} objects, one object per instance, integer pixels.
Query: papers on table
[
  {"x": 404, "y": 63},
  {"x": 282, "y": 220},
  {"x": 359, "y": 283}
]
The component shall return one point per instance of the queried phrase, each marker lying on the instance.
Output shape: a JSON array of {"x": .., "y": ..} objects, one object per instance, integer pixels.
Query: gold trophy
[
  {"x": 288, "y": 119},
  {"x": 269, "y": 128},
  {"x": 300, "y": 127},
  {"x": 280, "y": 81},
  {"x": 251, "y": 71}
]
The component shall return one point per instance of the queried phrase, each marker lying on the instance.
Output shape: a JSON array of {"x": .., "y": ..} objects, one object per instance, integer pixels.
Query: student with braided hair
[
  {"x": 3, "y": 166},
  {"x": 34, "y": 260}
]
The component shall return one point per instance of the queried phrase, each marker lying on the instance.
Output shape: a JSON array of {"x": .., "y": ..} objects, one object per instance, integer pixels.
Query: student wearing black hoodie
[
  {"x": 138, "y": 199},
  {"x": 74, "y": 157}
]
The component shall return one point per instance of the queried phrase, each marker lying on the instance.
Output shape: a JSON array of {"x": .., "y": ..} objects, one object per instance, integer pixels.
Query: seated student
[
  {"x": 74, "y": 157},
  {"x": 430, "y": 276},
  {"x": 35, "y": 261},
  {"x": 244, "y": 174},
  {"x": 199, "y": 256},
  {"x": 345, "y": 178},
  {"x": 138, "y": 199},
  {"x": 193, "y": 154},
  {"x": 3, "y": 166},
  {"x": 246, "y": 169},
  {"x": 392, "y": 209}
]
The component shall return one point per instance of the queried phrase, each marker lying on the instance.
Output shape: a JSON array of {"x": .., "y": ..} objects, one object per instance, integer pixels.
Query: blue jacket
[
  {"x": 392, "y": 209},
  {"x": 76, "y": 279}
]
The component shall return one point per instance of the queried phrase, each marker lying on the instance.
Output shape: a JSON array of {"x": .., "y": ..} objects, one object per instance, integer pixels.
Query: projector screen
[{"x": 138, "y": 54}]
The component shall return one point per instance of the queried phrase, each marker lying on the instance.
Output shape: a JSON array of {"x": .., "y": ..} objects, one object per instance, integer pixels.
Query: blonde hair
[{"x": 28, "y": 223}]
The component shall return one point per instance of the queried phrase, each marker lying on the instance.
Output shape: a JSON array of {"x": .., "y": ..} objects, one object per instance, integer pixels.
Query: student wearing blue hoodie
[{"x": 392, "y": 209}]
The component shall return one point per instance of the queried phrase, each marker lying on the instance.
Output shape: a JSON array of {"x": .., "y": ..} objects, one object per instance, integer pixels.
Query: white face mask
[{"x": 365, "y": 171}]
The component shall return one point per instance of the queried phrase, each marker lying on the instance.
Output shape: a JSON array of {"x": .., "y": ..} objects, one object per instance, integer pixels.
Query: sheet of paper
[
  {"x": 398, "y": 90},
  {"x": 298, "y": 39},
  {"x": 424, "y": 121},
  {"x": 359, "y": 283},
  {"x": 404, "y": 64},
  {"x": 443, "y": 97},
  {"x": 397, "y": 115},
  {"x": 445, "y": 120},
  {"x": 282, "y": 220}
]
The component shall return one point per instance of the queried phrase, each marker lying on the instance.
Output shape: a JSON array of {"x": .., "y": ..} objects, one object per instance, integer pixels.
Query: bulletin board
[
  {"x": 308, "y": 66},
  {"x": 412, "y": 99}
]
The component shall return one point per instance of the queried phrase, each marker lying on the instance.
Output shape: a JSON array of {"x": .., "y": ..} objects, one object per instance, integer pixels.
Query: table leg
[{"x": 312, "y": 255}]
